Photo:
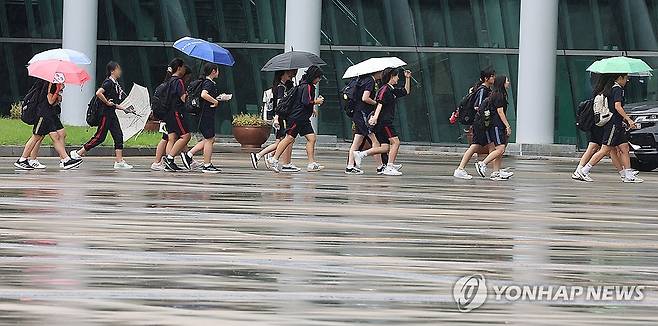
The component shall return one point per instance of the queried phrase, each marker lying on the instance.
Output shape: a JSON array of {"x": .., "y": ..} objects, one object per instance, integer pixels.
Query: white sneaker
[
  {"x": 358, "y": 158},
  {"x": 397, "y": 166},
  {"x": 74, "y": 155},
  {"x": 462, "y": 174},
  {"x": 389, "y": 170},
  {"x": 196, "y": 165},
  {"x": 633, "y": 179},
  {"x": 122, "y": 165},
  {"x": 36, "y": 164},
  {"x": 497, "y": 176},
  {"x": 268, "y": 160},
  {"x": 505, "y": 174},
  {"x": 579, "y": 175},
  {"x": 481, "y": 169},
  {"x": 158, "y": 166},
  {"x": 274, "y": 166},
  {"x": 314, "y": 167},
  {"x": 290, "y": 168}
]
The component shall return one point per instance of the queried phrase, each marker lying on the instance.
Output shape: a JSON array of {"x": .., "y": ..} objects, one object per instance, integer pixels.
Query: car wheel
[{"x": 644, "y": 164}]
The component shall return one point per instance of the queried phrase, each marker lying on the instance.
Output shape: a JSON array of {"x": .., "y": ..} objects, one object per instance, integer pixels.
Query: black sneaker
[
  {"x": 187, "y": 161},
  {"x": 254, "y": 161},
  {"x": 210, "y": 169},
  {"x": 170, "y": 165},
  {"x": 70, "y": 164},
  {"x": 353, "y": 170},
  {"x": 380, "y": 170},
  {"x": 23, "y": 165}
]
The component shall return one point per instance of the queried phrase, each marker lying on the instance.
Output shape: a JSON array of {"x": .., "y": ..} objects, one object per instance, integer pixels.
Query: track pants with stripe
[{"x": 109, "y": 122}]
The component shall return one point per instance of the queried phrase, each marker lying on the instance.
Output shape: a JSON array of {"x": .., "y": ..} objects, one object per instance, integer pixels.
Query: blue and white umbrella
[
  {"x": 204, "y": 50},
  {"x": 62, "y": 55}
]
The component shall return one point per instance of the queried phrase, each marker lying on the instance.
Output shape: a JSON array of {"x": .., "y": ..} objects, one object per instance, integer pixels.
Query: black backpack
[
  {"x": 484, "y": 115},
  {"x": 585, "y": 115},
  {"x": 349, "y": 95},
  {"x": 30, "y": 108},
  {"x": 193, "y": 102},
  {"x": 94, "y": 112},
  {"x": 466, "y": 108},
  {"x": 160, "y": 101},
  {"x": 285, "y": 104}
]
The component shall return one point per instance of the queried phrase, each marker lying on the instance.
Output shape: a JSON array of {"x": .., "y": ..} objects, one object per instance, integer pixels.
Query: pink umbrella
[{"x": 58, "y": 71}]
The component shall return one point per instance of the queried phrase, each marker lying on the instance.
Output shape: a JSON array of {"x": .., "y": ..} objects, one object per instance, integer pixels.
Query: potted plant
[{"x": 250, "y": 130}]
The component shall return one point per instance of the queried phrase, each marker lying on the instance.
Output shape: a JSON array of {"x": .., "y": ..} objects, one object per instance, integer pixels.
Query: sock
[
  {"x": 389, "y": 164},
  {"x": 22, "y": 159},
  {"x": 381, "y": 166},
  {"x": 350, "y": 166},
  {"x": 365, "y": 154},
  {"x": 258, "y": 156},
  {"x": 189, "y": 154},
  {"x": 586, "y": 169},
  {"x": 66, "y": 159},
  {"x": 580, "y": 167},
  {"x": 169, "y": 157},
  {"x": 206, "y": 164}
]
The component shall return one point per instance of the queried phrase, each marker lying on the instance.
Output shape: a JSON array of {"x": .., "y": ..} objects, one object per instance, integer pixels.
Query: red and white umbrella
[{"x": 58, "y": 71}]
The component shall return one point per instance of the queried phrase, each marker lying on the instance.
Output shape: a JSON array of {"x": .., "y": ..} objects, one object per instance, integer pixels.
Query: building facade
[{"x": 445, "y": 43}]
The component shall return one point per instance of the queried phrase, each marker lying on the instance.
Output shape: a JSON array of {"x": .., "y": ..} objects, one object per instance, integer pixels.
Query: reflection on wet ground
[{"x": 99, "y": 247}]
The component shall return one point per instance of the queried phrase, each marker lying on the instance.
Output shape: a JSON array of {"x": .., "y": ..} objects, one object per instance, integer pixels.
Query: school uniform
[
  {"x": 175, "y": 121},
  {"x": 497, "y": 134},
  {"x": 614, "y": 133},
  {"x": 207, "y": 117},
  {"x": 363, "y": 110},
  {"x": 278, "y": 94},
  {"x": 48, "y": 118},
  {"x": 387, "y": 97},
  {"x": 299, "y": 122},
  {"x": 481, "y": 137},
  {"x": 109, "y": 120}
]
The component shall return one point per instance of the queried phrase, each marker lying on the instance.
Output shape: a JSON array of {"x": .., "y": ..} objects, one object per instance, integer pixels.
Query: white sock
[
  {"x": 258, "y": 156},
  {"x": 22, "y": 159},
  {"x": 207, "y": 164},
  {"x": 189, "y": 154},
  {"x": 580, "y": 167},
  {"x": 365, "y": 154},
  {"x": 169, "y": 157},
  {"x": 350, "y": 166},
  {"x": 66, "y": 159},
  {"x": 586, "y": 169}
]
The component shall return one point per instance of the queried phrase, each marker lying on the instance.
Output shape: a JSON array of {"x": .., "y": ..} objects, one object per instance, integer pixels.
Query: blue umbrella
[{"x": 204, "y": 50}]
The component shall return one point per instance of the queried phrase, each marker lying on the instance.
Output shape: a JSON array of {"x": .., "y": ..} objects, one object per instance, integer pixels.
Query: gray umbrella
[{"x": 293, "y": 60}]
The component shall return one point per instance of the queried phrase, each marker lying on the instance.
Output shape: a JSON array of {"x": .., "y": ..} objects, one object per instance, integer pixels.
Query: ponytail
[
  {"x": 110, "y": 67},
  {"x": 172, "y": 67}
]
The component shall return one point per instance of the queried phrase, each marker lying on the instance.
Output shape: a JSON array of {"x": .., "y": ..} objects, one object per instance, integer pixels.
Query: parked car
[{"x": 644, "y": 140}]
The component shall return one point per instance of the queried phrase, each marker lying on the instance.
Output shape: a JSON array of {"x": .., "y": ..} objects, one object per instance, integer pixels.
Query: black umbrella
[{"x": 293, "y": 60}]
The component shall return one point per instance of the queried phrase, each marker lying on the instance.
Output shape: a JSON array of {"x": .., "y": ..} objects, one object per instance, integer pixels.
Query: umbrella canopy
[
  {"x": 138, "y": 102},
  {"x": 63, "y": 55},
  {"x": 204, "y": 50},
  {"x": 293, "y": 60},
  {"x": 57, "y": 71},
  {"x": 373, "y": 65},
  {"x": 621, "y": 65}
]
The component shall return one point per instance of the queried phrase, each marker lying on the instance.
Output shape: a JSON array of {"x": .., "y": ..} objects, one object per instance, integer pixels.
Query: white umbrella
[
  {"x": 63, "y": 55},
  {"x": 137, "y": 101},
  {"x": 373, "y": 65}
]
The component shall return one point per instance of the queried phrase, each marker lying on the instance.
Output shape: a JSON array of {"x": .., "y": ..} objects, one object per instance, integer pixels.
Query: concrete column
[
  {"x": 537, "y": 69},
  {"x": 303, "y": 19},
  {"x": 79, "y": 32}
]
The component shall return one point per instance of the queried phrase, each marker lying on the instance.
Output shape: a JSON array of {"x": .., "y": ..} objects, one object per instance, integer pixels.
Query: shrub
[
  {"x": 248, "y": 120},
  {"x": 15, "y": 111}
]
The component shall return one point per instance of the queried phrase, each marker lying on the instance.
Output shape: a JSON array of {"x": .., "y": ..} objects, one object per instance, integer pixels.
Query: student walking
[
  {"x": 382, "y": 120},
  {"x": 499, "y": 131},
  {"x": 281, "y": 84},
  {"x": 480, "y": 137},
  {"x": 48, "y": 123},
  {"x": 210, "y": 99},
  {"x": 110, "y": 94},
  {"x": 176, "y": 124},
  {"x": 615, "y": 135},
  {"x": 299, "y": 123},
  {"x": 365, "y": 92}
]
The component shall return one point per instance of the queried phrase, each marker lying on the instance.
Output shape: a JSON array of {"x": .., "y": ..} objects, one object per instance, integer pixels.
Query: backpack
[
  {"x": 349, "y": 95},
  {"x": 193, "y": 102},
  {"x": 284, "y": 106},
  {"x": 484, "y": 115},
  {"x": 585, "y": 115},
  {"x": 30, "y": 108},
  {"x": 94, "y": 112},
  {"x": 466, "y": 109},
  {"x": 160, "y": 101},
  {"x": 601, "y": 110}
]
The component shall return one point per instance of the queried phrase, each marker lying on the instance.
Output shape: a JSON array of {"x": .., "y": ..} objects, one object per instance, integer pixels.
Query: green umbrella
[{"x": 621, "y": 65}]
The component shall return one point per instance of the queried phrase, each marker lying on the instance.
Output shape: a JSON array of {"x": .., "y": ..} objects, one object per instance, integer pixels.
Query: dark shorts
[
  {"x": 595, "y": 135},
  {"x": 481, "y": 137},
  {"x": 46, "y": 125},
  {"x": 176, "y": 123},
  {"x": 614, "y": 134},
  {"x": 281, "y": 132},
  {"x": 384, "y": 132},
  {"x": 207, "y": 126},
  {"x": 361, "y": 125},
  {"x": 301, "y": 128},
  {"x": 497, "y": 135}
]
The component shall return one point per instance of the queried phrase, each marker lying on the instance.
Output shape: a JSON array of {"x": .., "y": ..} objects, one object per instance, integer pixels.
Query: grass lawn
[{"x": 15, "y": 132}]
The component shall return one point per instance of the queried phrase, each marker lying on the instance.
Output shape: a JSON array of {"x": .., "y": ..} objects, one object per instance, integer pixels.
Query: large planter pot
[{"x": 251, "y": 136}]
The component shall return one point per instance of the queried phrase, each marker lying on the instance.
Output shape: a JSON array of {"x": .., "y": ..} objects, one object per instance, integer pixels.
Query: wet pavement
[{"x": 99, "y": 247}]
